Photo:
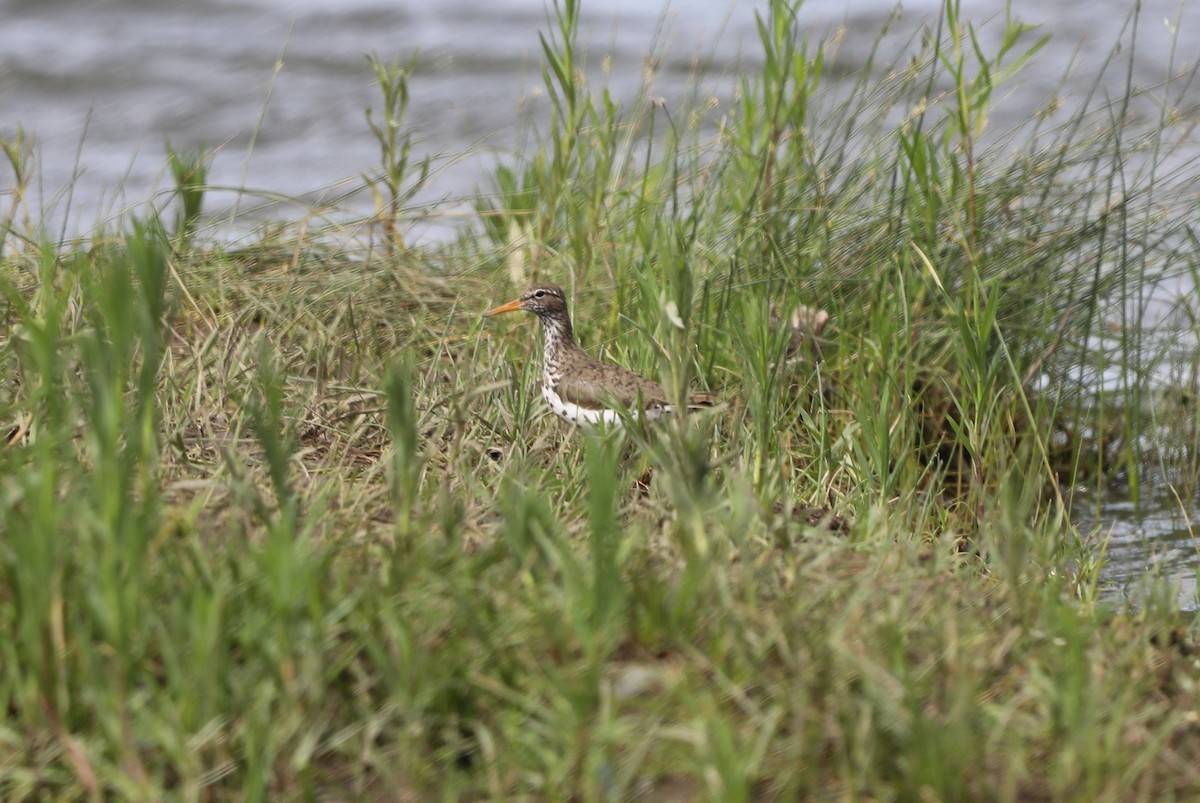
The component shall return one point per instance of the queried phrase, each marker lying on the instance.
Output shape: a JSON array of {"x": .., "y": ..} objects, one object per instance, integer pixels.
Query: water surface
[{"x": 279, "y": 86}]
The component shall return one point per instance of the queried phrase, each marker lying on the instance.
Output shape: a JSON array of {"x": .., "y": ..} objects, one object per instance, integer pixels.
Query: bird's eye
[{"x": 539, "y": 294}]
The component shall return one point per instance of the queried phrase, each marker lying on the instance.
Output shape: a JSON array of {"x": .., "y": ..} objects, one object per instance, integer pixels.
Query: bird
[{"x": 580, "y": 389}]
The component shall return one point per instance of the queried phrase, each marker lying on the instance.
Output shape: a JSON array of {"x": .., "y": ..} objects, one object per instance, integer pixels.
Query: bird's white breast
[{"x": 583, "y": 417}]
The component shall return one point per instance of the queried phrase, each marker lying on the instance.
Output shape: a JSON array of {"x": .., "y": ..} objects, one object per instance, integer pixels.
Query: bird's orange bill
[{"x": 512, "y": 306}]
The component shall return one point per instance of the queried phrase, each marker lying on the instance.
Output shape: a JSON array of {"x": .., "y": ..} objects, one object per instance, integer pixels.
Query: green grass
[{"x": 289, "y": 521}]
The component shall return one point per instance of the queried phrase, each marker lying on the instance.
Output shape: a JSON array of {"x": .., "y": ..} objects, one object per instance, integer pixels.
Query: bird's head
[{"x": 543, "y": 300}]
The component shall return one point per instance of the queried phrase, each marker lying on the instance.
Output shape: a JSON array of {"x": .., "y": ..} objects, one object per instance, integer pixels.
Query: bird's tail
[{"x": 698, "y": 401}]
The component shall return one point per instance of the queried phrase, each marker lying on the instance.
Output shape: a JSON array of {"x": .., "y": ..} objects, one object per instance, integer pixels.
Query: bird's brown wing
[{"x": 611, "y": 385}]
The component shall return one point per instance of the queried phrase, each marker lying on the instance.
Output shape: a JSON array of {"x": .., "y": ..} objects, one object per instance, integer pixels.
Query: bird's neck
[{"x": 558, "y": 340}]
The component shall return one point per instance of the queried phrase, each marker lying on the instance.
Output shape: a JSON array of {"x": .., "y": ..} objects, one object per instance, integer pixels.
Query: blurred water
[
  {"x": 102, "y": 85},
  {"x": 134, "y": 73},
  {"x": 1161, "y": 535}
]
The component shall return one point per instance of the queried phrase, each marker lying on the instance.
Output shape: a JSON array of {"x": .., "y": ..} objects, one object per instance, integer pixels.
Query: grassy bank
[{"x": 289, "y": 521}]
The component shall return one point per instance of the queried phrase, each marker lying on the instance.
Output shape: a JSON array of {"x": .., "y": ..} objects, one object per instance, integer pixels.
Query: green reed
[{"x": 290, "y": 520}]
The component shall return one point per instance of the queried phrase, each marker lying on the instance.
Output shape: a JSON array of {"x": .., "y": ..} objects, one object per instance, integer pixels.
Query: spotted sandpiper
[{"x": 580, "y": 389}]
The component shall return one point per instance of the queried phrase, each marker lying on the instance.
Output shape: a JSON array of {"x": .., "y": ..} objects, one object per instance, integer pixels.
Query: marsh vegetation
[{"x": 284, "y": 519}]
